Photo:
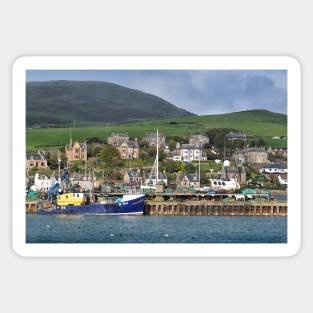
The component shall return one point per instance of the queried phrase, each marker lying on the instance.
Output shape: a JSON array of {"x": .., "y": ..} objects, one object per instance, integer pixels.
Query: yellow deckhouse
[{"x": 71, "y": 199}]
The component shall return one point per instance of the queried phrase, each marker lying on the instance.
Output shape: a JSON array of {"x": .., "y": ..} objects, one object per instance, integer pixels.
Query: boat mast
[
  {"x": 200, "y": 150},
  {"x": 59, "y": 161},
  {"x": 157, "y": 158},
  {"x": 86, "y": 159}
]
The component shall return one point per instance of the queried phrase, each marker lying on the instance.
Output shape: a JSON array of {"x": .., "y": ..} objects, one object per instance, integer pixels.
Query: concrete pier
[{"x": 205, "y": 208}]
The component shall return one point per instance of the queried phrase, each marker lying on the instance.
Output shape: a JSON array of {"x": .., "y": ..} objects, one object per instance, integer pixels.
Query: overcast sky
[{"x": 198, "y": 91}]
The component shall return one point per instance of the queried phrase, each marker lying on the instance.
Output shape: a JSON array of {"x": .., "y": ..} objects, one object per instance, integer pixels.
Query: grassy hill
[
  {"x": 60, "y": 102},
  {"x": 260, "y": 123}
]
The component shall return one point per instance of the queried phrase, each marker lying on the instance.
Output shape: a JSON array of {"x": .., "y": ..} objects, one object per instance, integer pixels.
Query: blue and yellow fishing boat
[{"x": 79, "y": 203}]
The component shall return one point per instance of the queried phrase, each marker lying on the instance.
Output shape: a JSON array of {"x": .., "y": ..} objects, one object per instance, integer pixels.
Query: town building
[
  {"x": 152, "y": 181},
  {"x": 251, "y": 155},
  {"x": 188, "y": 153},
  {"x": 199, "y": 140},
  {"x": 278, "y": 151},
  {"x": 188, "y": 180},
  {"x": 116, "y": 139},
  {"x": 236, "y": 173},
  {"x": 132, "y": 177},
  {"x": 85, "y": 183},
  {"x": 233, "y": 136},
  {"x": 42, "y": 183},
  {"x": 274, "y": 168},
  {"x": 151, "y": 140},
  {"x": 128, "y": 150},
  {"x": 76, "y": 151},
  {"x": 37, "y": 160}
]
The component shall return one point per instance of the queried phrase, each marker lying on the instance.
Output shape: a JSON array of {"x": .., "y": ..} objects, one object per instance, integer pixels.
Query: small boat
[{"x": 78, "y": 203}]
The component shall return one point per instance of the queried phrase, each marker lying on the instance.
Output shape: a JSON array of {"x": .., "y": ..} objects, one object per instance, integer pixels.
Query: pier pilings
[{"x": 205, "y": 208}]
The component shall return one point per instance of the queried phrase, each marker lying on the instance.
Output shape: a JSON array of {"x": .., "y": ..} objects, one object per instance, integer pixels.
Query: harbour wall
[
  {"x": 207, "y": 208},
  {"x": 202, "y": 208}
]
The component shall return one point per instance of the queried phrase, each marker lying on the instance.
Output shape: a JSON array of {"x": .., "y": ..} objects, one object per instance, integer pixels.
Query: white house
[
  {"x": 224, "y": 184},
  {"x": 274, "y": 169},
  {"x": 43, "y": 183},
  {"x": 188, "y": 153}
]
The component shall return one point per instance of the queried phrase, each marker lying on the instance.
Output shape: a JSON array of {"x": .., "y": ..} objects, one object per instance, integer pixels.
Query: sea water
[{"x": 156, "y": 229}]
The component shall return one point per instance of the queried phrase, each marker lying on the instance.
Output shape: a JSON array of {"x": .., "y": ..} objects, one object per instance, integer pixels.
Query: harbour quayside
[
  {"x": 64, "y": 198},
  {"x": 85, "y": 204}
]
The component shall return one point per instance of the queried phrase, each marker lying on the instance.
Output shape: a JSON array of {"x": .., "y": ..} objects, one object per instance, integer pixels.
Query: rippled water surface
[{"x": 155, "y": 229}]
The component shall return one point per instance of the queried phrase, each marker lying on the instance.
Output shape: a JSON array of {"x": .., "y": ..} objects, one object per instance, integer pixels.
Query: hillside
[
  {"x": 58, "y": 103},
  {"x": 258, "y": 123}
]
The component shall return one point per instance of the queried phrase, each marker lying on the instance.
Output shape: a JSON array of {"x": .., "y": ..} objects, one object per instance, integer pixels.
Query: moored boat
[{"x": 78, "y": 203}]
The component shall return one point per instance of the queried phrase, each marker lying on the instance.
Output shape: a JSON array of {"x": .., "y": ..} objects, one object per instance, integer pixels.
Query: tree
[
  {"x": 109, "y": 157},
  {"x": 261, "y": 143},
  {"x": 75, "y": 166},
  {"x": 94, "y": 150},
  {"x": 190, "y": 168},
  {"x": 174, "y": 166},
  {"x": 93, "y": 140}
]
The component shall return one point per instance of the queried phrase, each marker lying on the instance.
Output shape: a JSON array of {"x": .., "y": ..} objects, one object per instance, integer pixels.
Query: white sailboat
[{"x": 155, "y": 177}]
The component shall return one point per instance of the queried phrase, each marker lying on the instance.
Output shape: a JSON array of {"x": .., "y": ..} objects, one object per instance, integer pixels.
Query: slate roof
[
  {"x": 133, "y": 174},
  {"x": 161, "y": 176},
  {"x": 35, "y": 157},
  {"x": 275, "y": 165},
  {"x": 190, "y": 177},
  {"x": 189, "y": 146},
  {"x": 130, "y": 144}
]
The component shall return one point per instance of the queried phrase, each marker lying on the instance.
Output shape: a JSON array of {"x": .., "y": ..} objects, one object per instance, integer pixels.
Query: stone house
[
  {"x": 278, "y": 151},
  {"x": 116, "y": 139},
  {"x": 76, "y": 151},
  {"x": 251, "y": 156},
  {"x": 37, "y": 160},
  {"x": 256, "y": 155},
  {"x": 199, "y": 140},
  {"x": 128, "y": 150},
  {"x": 236, "y": 173},
  {"x": 132, "y": 177},
  {"x": 151, "y": 140},
  {"x": 188, "y": 180}
]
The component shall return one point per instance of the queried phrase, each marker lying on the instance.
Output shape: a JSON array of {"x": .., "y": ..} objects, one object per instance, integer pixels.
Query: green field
[{"x": 257, "y": 123}]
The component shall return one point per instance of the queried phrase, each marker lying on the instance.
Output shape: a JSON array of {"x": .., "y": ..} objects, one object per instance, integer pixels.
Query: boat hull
[{"x": 131, "y": 207}]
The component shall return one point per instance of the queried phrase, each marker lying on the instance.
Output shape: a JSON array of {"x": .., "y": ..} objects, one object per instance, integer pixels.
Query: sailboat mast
[
  {"x": 157, "y": 158},
  {"x": 200, "y": 164},
  {"x": 59, "y": 161}
]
